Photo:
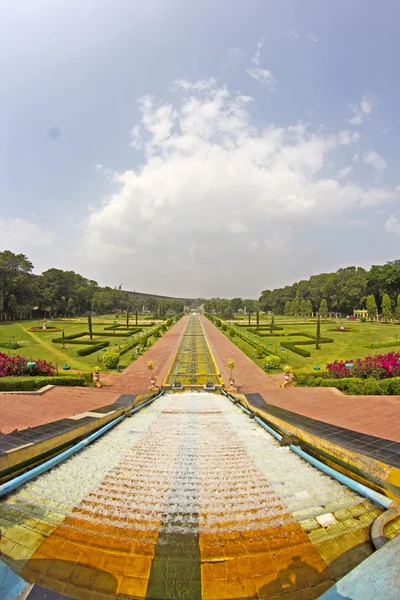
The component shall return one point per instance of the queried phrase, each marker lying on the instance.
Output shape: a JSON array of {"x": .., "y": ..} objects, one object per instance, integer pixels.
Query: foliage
[
  {"x": 386, "y": 308},
  {"x": 398, "y": 308},
  {"x": 371, "y": 307},
  {"x": 93, "y": 348},
  {"x": 323, "y": 308},
  {"x": 287, "y": 369},
  {"x": 150, "y": 365},
  {"x": 111, "y": 359},
  {"x": 90, "y": 325},
  {"x": 231, "y": 332},
  {"x": 17, "y": 366},
  {"x": 389, "y": 344},
  {"x": 9, "y": 345},
  {"x": 28, "y": 384},
  {"x": 294, "y": 348},
  {"x": 231, "y": 365},
  {"x": 318, "y": 334},
  {"x": 273, "y": 361},
  {"x": 380, "y": 366}
]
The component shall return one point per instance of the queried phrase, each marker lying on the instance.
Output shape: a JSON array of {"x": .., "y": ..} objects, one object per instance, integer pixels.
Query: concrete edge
[
  {"x": 13, "y": 462},
  {"x": 375, "y": 577},
  {"x": 379, "y": 476},
  {"x": 42, "y": 390}
]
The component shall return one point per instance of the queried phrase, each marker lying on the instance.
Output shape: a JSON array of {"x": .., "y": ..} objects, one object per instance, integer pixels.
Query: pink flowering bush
[
  {"x": 380, "y": 366},
  {"x": 17, "y": 366}
]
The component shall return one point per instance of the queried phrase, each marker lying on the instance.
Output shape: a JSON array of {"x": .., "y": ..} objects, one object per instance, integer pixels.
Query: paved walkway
[
  {"x": 20, "y": 411},
  {"x": 374, "y": 415}
]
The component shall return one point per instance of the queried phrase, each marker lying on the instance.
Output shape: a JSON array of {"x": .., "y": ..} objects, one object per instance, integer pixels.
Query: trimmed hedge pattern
[
  {"x": 352, "y": 385},
  {"x": 28, "y": 384}
]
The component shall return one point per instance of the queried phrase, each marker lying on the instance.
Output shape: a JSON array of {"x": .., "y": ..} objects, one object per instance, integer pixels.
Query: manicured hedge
[
  {"x": 9, "y": 345},
  {"x": 383, "y": 344},
  {"x": 28, "y": 384},
  {"x": 294, "y": 348},
  {"x": 352, "y": 385},
  {"x": 92, "y": 348}
]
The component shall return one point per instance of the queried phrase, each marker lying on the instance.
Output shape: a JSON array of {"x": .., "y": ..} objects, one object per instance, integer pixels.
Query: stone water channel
[{"x": 188, "y": 499}]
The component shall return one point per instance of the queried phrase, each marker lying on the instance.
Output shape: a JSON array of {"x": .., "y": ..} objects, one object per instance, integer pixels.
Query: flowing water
[{"x": 189, "y": 481}]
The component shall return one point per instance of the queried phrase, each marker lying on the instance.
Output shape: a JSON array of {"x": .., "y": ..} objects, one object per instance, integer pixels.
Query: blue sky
[{"x": 200, "y": 148}]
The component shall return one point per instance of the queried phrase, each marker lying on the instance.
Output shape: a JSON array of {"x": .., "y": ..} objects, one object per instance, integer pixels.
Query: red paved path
[
  {"x": 20, "y": 411},
  {"x": 373, "y": 415}
]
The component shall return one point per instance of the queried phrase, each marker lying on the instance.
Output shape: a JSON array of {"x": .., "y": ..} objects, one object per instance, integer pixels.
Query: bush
[
  {"x": 273, "y": 361},
  {"x": 9, "y": 345},
  {"x": 93, "y": 348},
  {"x": 18, "y": 366},
  {"x": 294, "y": 348},
  {"x": 111, "y": 360},
  {"x": 224, "y": 326},
  {"x": 231, "y": 333},
  {"x": 380, "y": 366},
  {"x": 29, "y": 384},
  {"x": 371, "y": 387},
  {"x": 260, "y": 353}
]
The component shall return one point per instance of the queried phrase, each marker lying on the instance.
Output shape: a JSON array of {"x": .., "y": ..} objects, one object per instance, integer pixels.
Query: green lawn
[
  {"x": 38, "y": 345},
  {"x": 346, "y": 345}
]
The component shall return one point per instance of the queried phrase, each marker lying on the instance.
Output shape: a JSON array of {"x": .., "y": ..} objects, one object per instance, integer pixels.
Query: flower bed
[
  {"x": 17, "y": 366},
  {"x": 380, "y": 366}
]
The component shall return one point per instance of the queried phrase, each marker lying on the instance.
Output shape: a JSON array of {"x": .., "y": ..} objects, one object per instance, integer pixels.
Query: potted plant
[
  {"x": 150, "y": 366},
  {"x": 231, "y": 366}
]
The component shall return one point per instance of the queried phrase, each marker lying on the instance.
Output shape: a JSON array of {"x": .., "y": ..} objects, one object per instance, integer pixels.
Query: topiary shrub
[
  {"x": 260, "y": 354},
  {"x": 224, "y": 326},
  {"x": 111, "y": 360},
  {"x": 273, "y": 361},
  {"x": 231, "y": 333}
]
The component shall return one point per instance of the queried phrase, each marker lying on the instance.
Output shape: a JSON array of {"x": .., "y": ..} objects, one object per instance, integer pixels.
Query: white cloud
[
  {"x": 16, "y": 234},
  {"x": 361, "y": 111},
  {"x": 214, "y": 181},
  {"x": 342, "y": 173},
  {"x": 136, "y": 138},
  {"x": 392, "y": 225},
  {"x": 258, "y": 73},
  {"x": 375, "y": 160},
  {"x": 99, "y": 168},
  {"x": 310, "y": 37},
  {"x": 261, "y": 75}
]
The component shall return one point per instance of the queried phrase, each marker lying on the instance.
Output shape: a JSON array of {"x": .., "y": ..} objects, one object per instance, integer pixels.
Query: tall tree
[
  {"x": 318, "y": 333},
  {"x": 287, "y": 308},
  {"x": 372, "y": 308},
  {"x": 398, "y": 308},
  {"x": 323, "y": 308},
  {"x": 309, "y": 308},
  {"x": 15, "y": 280},
  {"x": 90, "y": 325},
  {"x": 386, "y": 308}
]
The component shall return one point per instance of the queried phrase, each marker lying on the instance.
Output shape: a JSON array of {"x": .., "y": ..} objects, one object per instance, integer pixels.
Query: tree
[
  {"x": 309, "y": 308},
  {"x": 295, "y": 307},
  {"x": 127, "y": 318},
  {"x": 398, "y": 308},
  {"x": 15, "y": 280},
  {"x": 90, "y": 325},
  {"x": 13, "y": 306},
  {"x": 286, "y": 312},
  {"x": 303, "y": 308},
  {"x": 323, "y": 308},
  {"x": 386, "y": 308},
  {"x": 236, "y": 304},
  {"x": 372, "y": 307},
  {"x": 271, "y": 327},
  {"x": 318, "y": 333}
]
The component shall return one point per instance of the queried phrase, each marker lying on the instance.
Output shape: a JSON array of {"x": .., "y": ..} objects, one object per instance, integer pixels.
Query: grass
[
  {"x": 346, "y": 345},
  {"x": 38, "y": 345}
]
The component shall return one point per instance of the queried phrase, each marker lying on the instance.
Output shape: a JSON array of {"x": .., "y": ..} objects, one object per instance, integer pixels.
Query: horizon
[{"x": 138, "y": 153}]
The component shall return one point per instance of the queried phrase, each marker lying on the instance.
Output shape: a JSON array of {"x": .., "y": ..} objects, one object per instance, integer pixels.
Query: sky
[{"x": 203, "y": 148}]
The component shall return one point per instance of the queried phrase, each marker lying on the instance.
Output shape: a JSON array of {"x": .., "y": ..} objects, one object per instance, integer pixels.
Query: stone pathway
[
  {"x": 373, "y": 415},
  {"x": 20, "y": 411}
]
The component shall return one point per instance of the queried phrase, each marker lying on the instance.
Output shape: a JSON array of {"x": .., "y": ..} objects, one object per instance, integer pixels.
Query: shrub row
[
  {"x": 9, "y": 345},
  {"x": 353, "y": 385},
  {"x": 123, "y": 327},
  {"x": 92, "y": 348},
  {"x": 294, "y": 348},
  {"x": 383, "y": 345},
  {"x": 28, "y": 384}
]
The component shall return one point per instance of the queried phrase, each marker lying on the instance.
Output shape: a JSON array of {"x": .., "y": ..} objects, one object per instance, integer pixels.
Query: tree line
[
  {"x": 58, "y": 293},
  {"x": 343, "y": 291}
]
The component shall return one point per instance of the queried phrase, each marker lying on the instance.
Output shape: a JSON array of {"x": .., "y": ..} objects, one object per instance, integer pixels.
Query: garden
[
  {"x": 68, "y": 352},
  {"x": 368, "y": 347}
]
